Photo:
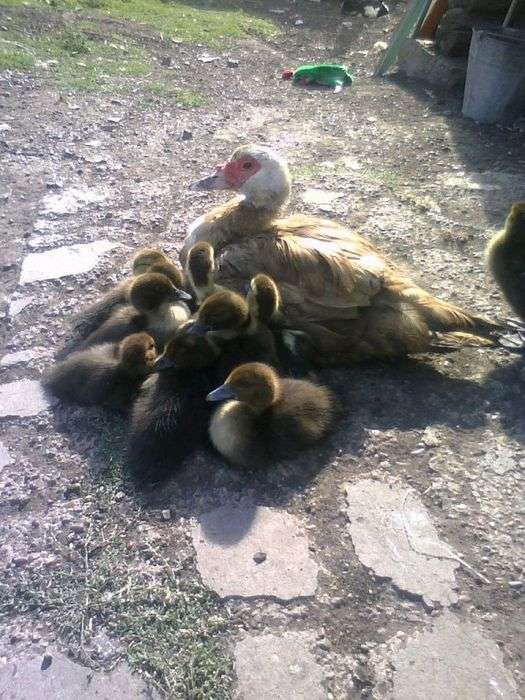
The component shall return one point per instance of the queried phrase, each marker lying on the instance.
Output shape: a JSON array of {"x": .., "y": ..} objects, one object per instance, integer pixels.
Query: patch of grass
[
  {"x": 381, "y": 176},
  {"x": 209, "y": 22},
  {"x": 183, "y": 98},
  {"x": 309, "y": 171},
  {"x": 75, "y": 61},
  {"x": 15, "y": 59},
  {"x": 169, "y": 626}
]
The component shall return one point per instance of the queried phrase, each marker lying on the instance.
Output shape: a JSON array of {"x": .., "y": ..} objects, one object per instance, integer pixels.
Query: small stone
[
  {"x": 47, "y": 660},
  {"x": 78, "y": 527},
  {"x": 259, "y": 557},
  {"x": 185, "y": 135},
  {"x": 207, "y": 58},
  {"x": 232, "y": 63},
  {"x": 4, "y": 127},
  {"x": 515, "y": 584},
  {"x": 166, "y": 514},
  {"x": 54, "y": 184},
  {"x": 165, "y": 61}
]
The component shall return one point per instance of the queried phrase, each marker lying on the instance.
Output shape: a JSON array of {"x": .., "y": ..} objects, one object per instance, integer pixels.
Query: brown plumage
[
  {"x": 107, "y": 374},
  {"x": 357, "y": 303},
  {"x": 267, "y": 418},
  {"x": 91, "y": 317},
  {"x": 506, "y": 259},
  {"x": 155, "y": 305}
]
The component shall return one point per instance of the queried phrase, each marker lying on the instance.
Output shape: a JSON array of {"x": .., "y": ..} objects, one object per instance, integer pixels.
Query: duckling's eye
[{"x": 246, "y": 166}]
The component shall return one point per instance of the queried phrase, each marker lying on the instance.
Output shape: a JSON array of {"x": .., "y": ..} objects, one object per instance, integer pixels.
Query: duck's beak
[
  {"x": 180, "y": 295},
  {"x": 217, "y": 181},
  {"x": 198, "y": 328},
  {"x": 163, "y": 363},
  {"x": 222, "y": 393}
]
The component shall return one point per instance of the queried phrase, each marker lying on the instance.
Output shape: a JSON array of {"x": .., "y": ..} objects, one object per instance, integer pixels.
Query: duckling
[
  {"x": 327, "y": 274},
  {"x": 108, "y": 374},
  {"x": 90, "y": 318},
  {"x": 200, "y": 271},
  {"x": 156, "y": 306},
  {"x": 170, "y": 416},
  {"x": 224, "y": 318},
  {"x": 505, "y": 256},
  {"x": 266, "y": 417},
  {"x": 293, "y": 345}
]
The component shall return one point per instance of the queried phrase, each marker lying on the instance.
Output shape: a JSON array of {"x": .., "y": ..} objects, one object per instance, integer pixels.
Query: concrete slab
[
  {"x": 71, "y": 200},
  {"x": 231, "y": 542},
  {"x": 5, "y": 457},
  {"x": 22, "y": 398},
  {"x": 55, "y": 677},
  {"x": 15, "y": 358},
  {"x": 64, "y": 261},
  {"x": 394, "y": 536},
  {"x": 316, "y": 196},
  {"x": 453, "y": 661},
  {"x": 281, "y": 667},
  {"x": 18, "y": 305}
]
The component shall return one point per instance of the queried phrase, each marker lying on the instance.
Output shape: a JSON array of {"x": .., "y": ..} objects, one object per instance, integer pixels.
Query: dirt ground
[{"x": 425, "y": 185}]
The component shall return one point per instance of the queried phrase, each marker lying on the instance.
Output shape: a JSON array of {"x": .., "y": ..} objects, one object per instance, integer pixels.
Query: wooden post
[{"x": 431, "y": 21}]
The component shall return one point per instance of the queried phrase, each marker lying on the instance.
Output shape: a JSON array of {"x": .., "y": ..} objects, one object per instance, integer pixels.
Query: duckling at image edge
[
  {"x": 92, "y": 316},
  {"x": 107, "y": 374},
  {"x": 505, "y": 256},
  {"x": 266, "y": 417},
  {"x": 156, "y": 306},
  {"x": 170, "y": 416}
]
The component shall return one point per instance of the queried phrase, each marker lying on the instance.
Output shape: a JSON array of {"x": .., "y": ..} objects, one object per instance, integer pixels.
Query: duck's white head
[{"x": 254, "y": 171}]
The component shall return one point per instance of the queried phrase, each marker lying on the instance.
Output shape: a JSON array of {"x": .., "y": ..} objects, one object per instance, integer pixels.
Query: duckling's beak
[
  {"x": 217, "y": 181},
  {"x": 198, "y": 327},
  {"x": 180, "y": 295},
  {"x": 222, "y": 393},
  {"x": 163, "y": 363}
]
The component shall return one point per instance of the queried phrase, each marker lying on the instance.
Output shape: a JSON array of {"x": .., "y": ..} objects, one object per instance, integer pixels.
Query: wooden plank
[{"x": 408, "y": 26}]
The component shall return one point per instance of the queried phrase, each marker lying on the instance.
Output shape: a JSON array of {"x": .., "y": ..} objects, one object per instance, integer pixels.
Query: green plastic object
[
  {"x": 332, "y": 75},
  {"x": 408, "y": 27}
]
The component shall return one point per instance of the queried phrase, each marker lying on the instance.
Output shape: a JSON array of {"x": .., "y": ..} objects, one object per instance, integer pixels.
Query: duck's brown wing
[{"x": 323, "y": 271}]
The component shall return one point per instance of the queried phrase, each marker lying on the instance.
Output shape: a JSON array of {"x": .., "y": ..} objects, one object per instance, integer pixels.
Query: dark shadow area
[{"x": 492, "y": 156}]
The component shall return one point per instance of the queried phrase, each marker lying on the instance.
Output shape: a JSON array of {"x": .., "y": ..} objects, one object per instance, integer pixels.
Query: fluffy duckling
[
  {"x": 90, "y": 318},
  {"x": 156, "y": 306},
  {"x": 170, "y": 416},
  {"x": 327, "y": 274},
  {"x": 200, "y": 271},
  {"x": 265, "y": 417},
  {"x": 224, "y": 318},
  {"x": 108, "y": 374},
  {"x": 506, "y": 259},
  {"x": 293, "y": 345}
]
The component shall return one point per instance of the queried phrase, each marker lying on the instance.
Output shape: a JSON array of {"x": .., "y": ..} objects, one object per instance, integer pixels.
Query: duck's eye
[{"x": 246, "y": 166}]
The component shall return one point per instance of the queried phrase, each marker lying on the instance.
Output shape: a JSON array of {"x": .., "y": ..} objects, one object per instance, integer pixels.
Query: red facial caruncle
[{"x": 236, "y": 172}]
